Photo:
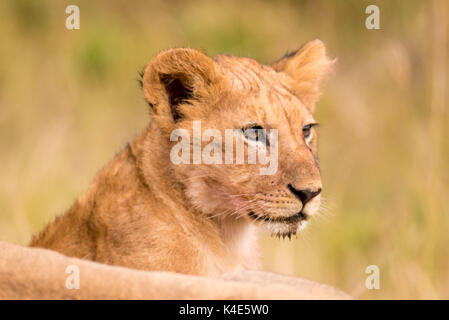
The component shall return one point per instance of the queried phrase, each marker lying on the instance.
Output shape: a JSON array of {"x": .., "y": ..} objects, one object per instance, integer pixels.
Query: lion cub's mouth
[
  {"x": 298, "y": 217},
  {"x": 282, "y": 226}
]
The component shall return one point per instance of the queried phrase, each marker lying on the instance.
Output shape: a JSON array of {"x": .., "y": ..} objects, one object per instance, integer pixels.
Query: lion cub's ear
[
  {"x": 175, "y": 77},
  {"x": 306, "y": 67}
]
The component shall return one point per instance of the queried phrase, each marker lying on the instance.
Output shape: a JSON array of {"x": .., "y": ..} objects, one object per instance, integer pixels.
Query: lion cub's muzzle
[{"x": 284, "y": 212}]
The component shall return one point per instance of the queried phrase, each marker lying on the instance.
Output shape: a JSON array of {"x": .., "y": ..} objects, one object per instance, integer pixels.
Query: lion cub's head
[{"x": 237, "y": 102}]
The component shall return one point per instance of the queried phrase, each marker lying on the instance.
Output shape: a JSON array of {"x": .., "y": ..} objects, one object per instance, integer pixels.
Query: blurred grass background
[{"x": 69, "y": 100}]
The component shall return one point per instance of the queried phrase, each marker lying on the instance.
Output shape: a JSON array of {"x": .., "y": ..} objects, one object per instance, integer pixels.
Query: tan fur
[
  {"x": 144, "y": 212},
  {"x": 34, "y": 273}
]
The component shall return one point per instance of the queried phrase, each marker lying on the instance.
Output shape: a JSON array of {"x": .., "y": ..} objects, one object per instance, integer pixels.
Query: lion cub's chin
[{"x": 282, "y": 229}]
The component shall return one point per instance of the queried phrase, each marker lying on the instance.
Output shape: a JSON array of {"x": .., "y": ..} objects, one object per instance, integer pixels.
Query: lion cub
[{"x": 144, "y": 211}]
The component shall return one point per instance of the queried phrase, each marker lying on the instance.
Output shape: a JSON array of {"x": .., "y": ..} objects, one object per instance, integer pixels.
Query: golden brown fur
[{"x": 144, "y": 212}]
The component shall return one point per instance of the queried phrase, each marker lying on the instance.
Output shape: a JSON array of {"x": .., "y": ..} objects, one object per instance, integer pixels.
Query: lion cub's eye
[
  {"x": 307, "y": 130},
  {"x": 255, "y": 133}
]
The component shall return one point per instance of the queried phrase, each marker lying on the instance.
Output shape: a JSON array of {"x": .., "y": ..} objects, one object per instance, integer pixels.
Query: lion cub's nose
[{"x": 304, "y": 195}]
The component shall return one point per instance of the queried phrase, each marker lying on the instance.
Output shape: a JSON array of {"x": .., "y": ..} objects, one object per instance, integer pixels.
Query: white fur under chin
[{"x": 283, "y": 229}]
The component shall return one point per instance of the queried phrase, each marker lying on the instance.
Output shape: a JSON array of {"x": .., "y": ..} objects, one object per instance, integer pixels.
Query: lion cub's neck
[{"x": 240, "y": 237}]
